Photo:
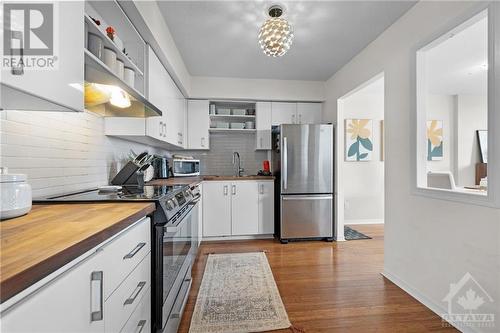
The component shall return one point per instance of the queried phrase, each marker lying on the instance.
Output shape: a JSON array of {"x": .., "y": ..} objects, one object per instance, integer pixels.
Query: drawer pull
[
  {"x": 135, "y": 293},
  {"x": 141, "y": 325},
  {"x": 134, "y": 251},
  {"x": 97, "y": 277}
]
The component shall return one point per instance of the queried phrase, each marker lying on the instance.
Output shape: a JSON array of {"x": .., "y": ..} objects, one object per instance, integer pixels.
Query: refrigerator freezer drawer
[{"x": 306, "y": 216}]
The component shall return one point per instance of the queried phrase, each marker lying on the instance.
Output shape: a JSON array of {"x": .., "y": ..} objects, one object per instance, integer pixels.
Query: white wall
[
  {"x": 472, "y": 115},
  {"x": 61, "y": 151},
  {"x": 364, "y": 181},
  {"x": 428, "y": 243},
  {"x": 257, "y": 89}
]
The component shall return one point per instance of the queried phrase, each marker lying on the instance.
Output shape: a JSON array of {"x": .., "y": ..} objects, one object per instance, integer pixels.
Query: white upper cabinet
[
  {"x": 58, "y": 87},
  {"x": 198, "y": 123},
  {"x": 296, "y": 113},
  {"x": 284, "y": 113},
  {"x": 264, "y": 125},
  {"x": 309, "y": 113}
]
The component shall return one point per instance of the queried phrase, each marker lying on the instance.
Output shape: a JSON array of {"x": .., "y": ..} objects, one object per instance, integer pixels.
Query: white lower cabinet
[
  {"x": 235, "y": 208},
  {"x": 77, "y": 300},
  {"x": 216, "y": 209},
  {"x": 266, "y": 207},
  {"x": 244, "y": 208}
]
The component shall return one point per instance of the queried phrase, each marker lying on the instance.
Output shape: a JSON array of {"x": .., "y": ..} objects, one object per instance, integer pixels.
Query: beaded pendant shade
[{"x": 276, "y": 34}]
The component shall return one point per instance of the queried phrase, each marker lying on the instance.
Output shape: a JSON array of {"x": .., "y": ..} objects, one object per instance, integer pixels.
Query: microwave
[{"x": 185, "y": 168}]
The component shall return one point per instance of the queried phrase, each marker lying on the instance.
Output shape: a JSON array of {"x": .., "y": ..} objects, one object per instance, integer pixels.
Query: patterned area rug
[
  {"x": 238, "y": 294},
  {"x": 351, "y": 234}
]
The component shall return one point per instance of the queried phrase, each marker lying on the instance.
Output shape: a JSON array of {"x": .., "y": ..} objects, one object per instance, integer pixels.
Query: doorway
[{"x": 360, "y": 156}]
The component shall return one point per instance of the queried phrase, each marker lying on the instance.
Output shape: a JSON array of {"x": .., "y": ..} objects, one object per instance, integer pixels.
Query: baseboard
[
  {"x": 229, "y": 238},
  {"x": 426, "y": 301},
  {"x": 364, "y": 221}
]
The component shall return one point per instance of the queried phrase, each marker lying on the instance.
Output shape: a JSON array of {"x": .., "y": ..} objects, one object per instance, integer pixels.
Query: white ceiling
[
  {"x": 459, "y": 64},
  {"x": 219, "y": 38}
]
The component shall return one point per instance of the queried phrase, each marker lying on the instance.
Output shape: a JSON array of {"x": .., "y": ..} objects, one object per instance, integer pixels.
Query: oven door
[{"x": 176, "y": 259}]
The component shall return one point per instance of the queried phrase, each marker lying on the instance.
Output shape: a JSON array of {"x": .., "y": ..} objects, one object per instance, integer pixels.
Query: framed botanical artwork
[
  {"x": 434, "y": 140},
  {"x": 359, "y": 140},
  {"x": 482, "y": 138}
]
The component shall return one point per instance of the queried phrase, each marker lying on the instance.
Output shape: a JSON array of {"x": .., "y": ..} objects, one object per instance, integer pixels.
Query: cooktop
[{"x": 128, "y": 192}]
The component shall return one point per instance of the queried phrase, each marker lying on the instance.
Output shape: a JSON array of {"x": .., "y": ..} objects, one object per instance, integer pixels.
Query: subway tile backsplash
[
  {"x": 219, "y": 159},
  {"x": 61, "y": 151},
  {"x": 68, "y": 151}
]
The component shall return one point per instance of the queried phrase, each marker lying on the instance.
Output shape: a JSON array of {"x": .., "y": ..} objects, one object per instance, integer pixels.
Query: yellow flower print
[
  {"x": 357, "y": 129},
  {"x": 434, "y": 134}
]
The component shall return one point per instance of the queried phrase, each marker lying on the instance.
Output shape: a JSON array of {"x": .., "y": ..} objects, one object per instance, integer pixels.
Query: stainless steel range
[{"x": 174, "y": 243}]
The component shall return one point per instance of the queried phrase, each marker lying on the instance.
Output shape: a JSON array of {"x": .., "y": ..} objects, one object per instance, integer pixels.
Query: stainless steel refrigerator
[{"x": 303, "y": 165}]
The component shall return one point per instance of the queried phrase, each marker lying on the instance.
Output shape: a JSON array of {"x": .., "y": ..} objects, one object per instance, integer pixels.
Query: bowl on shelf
[
  {"x": 221, "y": 124},
  {"x": 223, "y": 111},
  {"x": 239, "y": 112},
  {"x": 249, "y": 125},
  {"x": 237, "y": 125}
]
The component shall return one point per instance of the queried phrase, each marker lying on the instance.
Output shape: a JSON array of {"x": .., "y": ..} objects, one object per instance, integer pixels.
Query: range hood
[{"x": 101, "y": 87}]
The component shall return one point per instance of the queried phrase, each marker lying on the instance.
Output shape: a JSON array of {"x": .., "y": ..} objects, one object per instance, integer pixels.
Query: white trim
[
  {"x": 426, "y": 301},
  {"x": 364, "y": 221},
  {"x": 232, "y": 238},
  {"x": 418, "y": 152}
]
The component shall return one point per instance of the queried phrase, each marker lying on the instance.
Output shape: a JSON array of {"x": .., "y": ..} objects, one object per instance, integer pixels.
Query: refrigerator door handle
[
  {"x": 285, "y": 163},
  {"x": 308, "y": 197}
]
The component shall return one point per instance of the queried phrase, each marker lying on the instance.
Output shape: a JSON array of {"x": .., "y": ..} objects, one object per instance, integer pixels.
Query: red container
[{"x": 265, "y": 165}]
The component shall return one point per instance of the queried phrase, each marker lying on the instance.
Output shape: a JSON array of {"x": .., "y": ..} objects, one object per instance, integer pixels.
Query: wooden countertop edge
[{"x": 17, "y": 283}]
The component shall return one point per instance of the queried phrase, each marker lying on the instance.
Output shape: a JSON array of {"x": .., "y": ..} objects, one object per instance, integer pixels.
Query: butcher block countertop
[
  {"x": 199, "y": 179},
  {"x": 52, "y": 235}
]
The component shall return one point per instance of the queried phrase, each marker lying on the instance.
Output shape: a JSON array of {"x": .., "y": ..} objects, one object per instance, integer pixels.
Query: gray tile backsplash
[{"x": 219, "y": 159}]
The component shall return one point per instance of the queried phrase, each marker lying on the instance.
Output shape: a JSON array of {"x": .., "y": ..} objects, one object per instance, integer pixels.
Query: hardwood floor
[{"x": 331, "y": 287}]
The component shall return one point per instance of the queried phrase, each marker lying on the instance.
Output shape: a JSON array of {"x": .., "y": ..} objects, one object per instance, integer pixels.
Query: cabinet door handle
[
  {"x": 141, "y": 324},
  {"x": 261, "y": 145},
  {"x": 135, "y": 293},
  {"x": 233, "y": 189},
  {"x": 17, "y": 70},
  {"x": 203, "y": 142},
  {"x": 164, "y": 130},
  {"x": 293, "y": 119},
  {"x": 300, "y": 119},
  {"x": 136, "y": 249},
  {"x": 225, "y": 189},
  {"x": 96, "y": 278},
  {"x": 261, "y": 188},
  {"x": 161, "y": 128}
]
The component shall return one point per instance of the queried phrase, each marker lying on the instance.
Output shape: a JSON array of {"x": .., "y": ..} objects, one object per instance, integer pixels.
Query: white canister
[
  {"x": 95, "y": 45},
  {"x": 16, "y": 195},
  {"x": 119, "y": 68},
  {"x": 109, "y": 58},
  {"x": 249, "y": 125},
  {"x": 129, "y": 76}
]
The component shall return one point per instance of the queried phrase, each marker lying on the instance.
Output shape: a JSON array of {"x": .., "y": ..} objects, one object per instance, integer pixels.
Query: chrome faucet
[{"x": 237, "y": 172}]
